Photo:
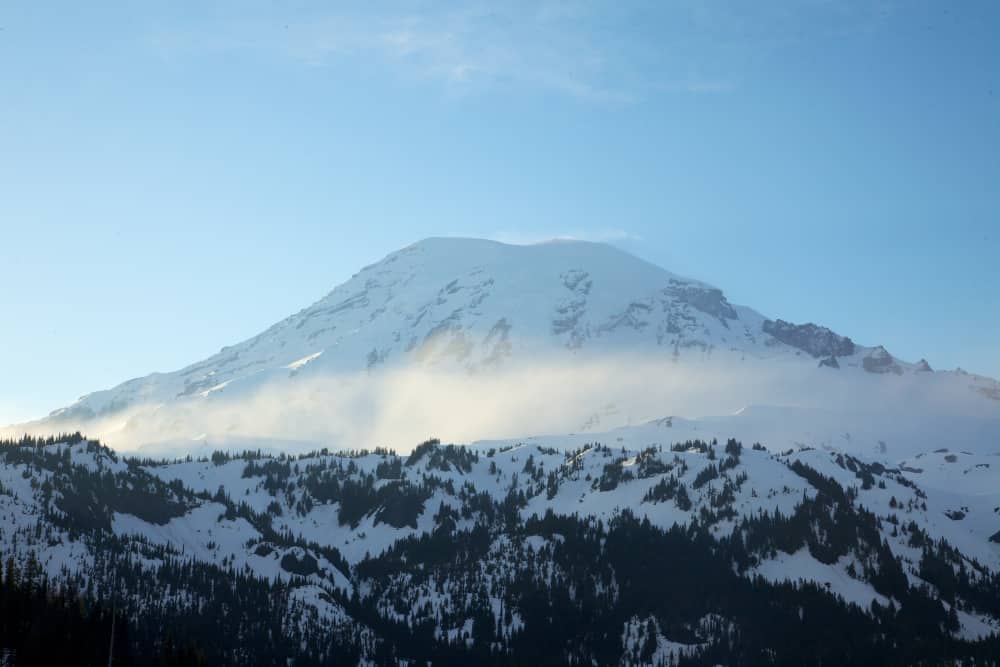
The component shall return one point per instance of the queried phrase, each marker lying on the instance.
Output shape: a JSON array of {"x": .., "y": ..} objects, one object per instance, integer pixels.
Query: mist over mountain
[{"x": 469, "y": 339}]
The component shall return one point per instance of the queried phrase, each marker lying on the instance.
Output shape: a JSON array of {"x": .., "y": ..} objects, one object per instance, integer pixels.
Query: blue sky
[{"x": 175, "y": 177}]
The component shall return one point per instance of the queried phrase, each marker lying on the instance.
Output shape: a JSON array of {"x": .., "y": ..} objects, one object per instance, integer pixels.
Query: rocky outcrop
[
  {"x": 880, "y": 361},
  {"x": 811, "y": 339},
  {"x": 829, "y": 362},
  {"x": 708, "y": 300}
]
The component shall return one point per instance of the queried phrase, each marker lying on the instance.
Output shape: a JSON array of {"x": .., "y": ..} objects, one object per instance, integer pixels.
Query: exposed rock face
[
  {"x": 829, "y": 362},
  {"x": 708, "y": 300},
  {"x": 880, "y": 361},
  {"x": 924, "y": 367},
  {"x": 814, "y": 340}
]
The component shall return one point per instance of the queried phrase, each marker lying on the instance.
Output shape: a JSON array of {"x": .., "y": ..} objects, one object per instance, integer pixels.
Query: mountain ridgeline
[{"x": 538, "y": 552}]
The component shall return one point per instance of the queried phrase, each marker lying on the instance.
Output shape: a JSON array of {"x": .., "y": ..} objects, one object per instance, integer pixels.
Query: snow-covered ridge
[{"x": 312, "y": 521}]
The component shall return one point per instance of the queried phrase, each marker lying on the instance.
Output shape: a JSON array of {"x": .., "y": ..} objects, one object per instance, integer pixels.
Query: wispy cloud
[
  {"x": 600, "y": 52},
  {"x": 548, "y": 46},
  {"x": 612, "y": 235}
]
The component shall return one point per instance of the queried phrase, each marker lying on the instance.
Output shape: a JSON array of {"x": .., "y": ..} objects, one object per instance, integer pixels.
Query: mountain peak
[{"x": 591, "y": 314}]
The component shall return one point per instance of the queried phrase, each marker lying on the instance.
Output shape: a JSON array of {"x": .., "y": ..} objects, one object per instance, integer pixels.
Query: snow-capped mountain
[
  {"x": 721, "y": 487},
  {"x": 600, "y": 336}
]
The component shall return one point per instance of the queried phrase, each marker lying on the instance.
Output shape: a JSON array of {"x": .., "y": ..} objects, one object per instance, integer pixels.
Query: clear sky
[{"x": 177, "y": 176}]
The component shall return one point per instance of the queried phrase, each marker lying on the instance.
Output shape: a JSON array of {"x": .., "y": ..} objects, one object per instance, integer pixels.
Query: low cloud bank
[{"x": 399, "y": 408}]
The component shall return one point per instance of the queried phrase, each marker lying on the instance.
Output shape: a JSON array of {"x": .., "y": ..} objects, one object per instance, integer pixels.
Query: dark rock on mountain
[
  {"x": 810, "y": 338},
  {"x": 708, "y": 300},
  {"x": 829, "y": 362},
  {"x": 880, "y": 361}
]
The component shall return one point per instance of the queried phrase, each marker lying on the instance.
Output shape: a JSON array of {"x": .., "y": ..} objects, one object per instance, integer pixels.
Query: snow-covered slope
[
  {"x": 332, "y": 526},
  {"x": 485, "y": 327}
]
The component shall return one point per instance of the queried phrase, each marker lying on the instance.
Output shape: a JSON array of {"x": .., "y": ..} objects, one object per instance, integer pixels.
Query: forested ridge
[{"x": 481, "y": 565}]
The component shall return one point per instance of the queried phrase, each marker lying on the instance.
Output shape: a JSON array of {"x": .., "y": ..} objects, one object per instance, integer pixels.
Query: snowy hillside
[
  {"x": 470, "y": 323},
  {"x": 454, "y": 552}
]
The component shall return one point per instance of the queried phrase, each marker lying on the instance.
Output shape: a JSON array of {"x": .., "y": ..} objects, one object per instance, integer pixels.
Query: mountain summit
[{"x": 466, "y": 311}]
